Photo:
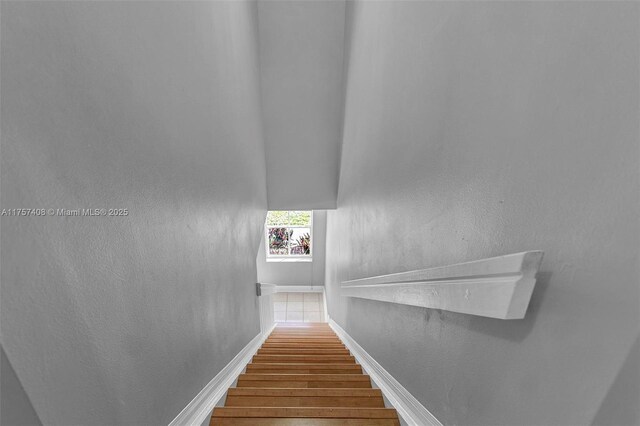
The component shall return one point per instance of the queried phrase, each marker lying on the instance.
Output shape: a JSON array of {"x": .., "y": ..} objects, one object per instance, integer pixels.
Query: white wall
[
  {"x": 15, "y": 406},
  {"x": 301, "y": 53},
  {"x": 475, "y": 129},
  {"x": 154, "y": 107},
  {"x": 297, "y": 273},
  {"x": 620, "y": 406}
]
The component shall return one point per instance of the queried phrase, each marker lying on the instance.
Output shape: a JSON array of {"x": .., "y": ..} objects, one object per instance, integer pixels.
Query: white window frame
[{"x": 289, "y": 257}]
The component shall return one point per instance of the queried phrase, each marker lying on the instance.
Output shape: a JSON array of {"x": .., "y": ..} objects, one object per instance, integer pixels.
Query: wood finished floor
[{"x": 303, "y": 375}]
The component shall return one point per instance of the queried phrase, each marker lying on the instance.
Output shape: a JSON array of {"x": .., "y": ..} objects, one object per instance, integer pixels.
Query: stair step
[
  {"x": 302, "y": 351},
  {"x": 305, "y": 412},
  {"x": 313, "y": 359},
  {"x": 283, "y": 339},
  {"x": 306, "y": 392},
  {"x": 304, "y": 368},
  {"x": 305, "y": 377},
  {"x": 261, "y": 421},
  {"x": 302, "y": 329},
  {"x": 305, "y": 337},
  {"x": 320, "y": 337},
  {"x": 304, "y": 345},
  {"x": 257, "y": 400},
  {"x": 303, "y": 333},
  {"x": 333, "y": 340},
  {"x": 304, "y": 380}
]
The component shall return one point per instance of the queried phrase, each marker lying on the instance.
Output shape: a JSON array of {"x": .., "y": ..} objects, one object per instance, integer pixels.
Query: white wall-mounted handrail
[{"x": 497, "y": 287}]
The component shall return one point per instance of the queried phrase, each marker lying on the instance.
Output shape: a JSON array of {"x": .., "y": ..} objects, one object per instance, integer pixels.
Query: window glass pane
[
  {"x": 279, "y": 241},
  {"x": 300, "y": 218},
  {"x": 277, "y": 217},
  {"x": 300, "y": 241}
]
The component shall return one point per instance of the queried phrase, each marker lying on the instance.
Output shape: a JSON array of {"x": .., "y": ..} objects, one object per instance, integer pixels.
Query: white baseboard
[
  {"x": 299, "y": 289},
  {"x": 407, "y": 406},
  {"x": 201, "y": 406}
]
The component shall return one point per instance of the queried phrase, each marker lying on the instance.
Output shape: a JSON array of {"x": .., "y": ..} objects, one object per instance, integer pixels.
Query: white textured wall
[
  {"x": 301, "y": 53},
  {"x": 15, "y": 406},
  {"x": 154, "y": 107},
  {"x": 475, "y": 129},
  {"x": 297, "y": 273}
]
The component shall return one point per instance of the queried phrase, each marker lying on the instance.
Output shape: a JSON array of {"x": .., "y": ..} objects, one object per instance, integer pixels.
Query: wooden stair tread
[
  {"x": 304, "y": 401},
  {"x": 315, "y": 412},
  {"x": 288, "y": 335},
  {"x": 288, "y": 343},
  {"x": 305, "y": 338},
  {"x": 303, "y": 351},
  {"x": 356, "y": 392},
  {"x": 303, "y": 346},
  {"x": 304, "y": 380},
  {"x": 316, "y": 340},
  {"x": 303, "y": 333},
  {"x": 261, "y": 421},
  {"x": 311, "y": 384},
  {"x": 303, "y": 365},
  {"x": 304, "y": 377},
  {"x": 329, "y": 359},
  {"x": 306, "y": 368}
]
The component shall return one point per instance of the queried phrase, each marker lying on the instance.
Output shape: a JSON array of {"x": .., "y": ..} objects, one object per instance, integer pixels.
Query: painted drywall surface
[
  {"x": 152, "y": 107},
  {"x": 301, "y": 56},
  {"x": 297, "y": 273},
  {"x": 15, "y": 407},
  {"x": 620, "y": 407},
  {"x": 480, "y": 129}
]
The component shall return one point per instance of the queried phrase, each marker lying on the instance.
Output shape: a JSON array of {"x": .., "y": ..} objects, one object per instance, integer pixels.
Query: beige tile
[
  {"x": 279, "y": 306},
  {"x": 280, "y": 297},
  {"x": 311, "y": 306},
  {"x": 279, "y": 316},
  {"x": 294, "y": 316},
  {"x": 295, "y": 306},
  {"x": 294, "y": 297},
  {"x": 312, "y": 317},
  {"x": 310, "y": 297}
]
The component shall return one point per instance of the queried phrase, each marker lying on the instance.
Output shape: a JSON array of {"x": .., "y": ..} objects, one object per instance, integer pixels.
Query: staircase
[{"x": 303, "y": 375}]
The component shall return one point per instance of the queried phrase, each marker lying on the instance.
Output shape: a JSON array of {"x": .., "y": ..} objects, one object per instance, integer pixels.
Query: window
[{"x": 288, "y": 235}]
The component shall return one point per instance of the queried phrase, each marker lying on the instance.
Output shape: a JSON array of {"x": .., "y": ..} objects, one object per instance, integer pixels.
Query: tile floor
[{"x": 298, "y": 307}]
